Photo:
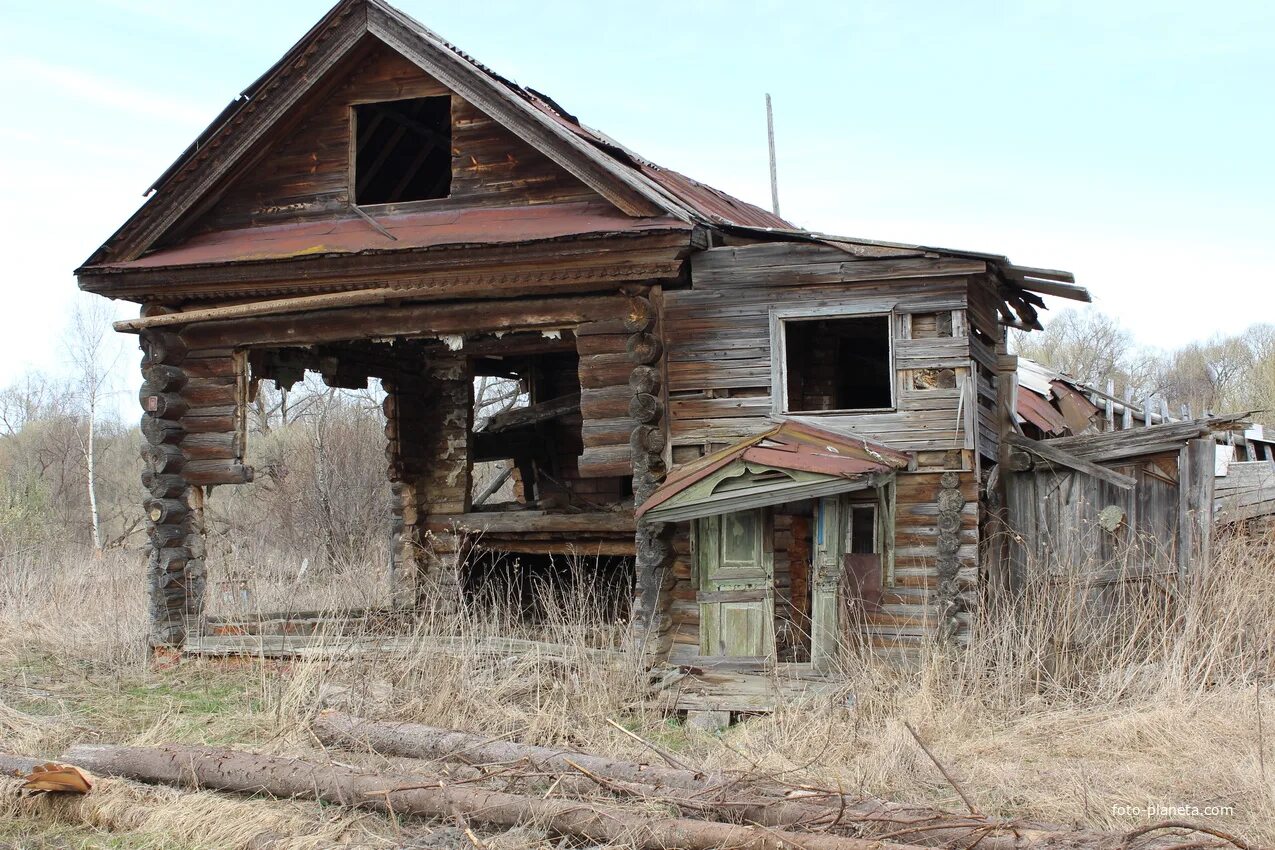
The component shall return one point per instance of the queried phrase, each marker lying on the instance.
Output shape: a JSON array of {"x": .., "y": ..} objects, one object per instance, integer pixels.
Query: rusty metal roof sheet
[
  {"x": 790, "y": 445},
  {"x": 1037, "y": 410},
  {"x": 472, "y": 226}
]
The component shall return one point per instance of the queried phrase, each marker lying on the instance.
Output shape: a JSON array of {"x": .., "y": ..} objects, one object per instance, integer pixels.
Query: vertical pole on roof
[{"x": 774, "y": 173}]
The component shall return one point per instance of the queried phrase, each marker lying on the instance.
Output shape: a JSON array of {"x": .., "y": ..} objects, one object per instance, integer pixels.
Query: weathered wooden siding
[
  {"x": 719, "y": 341},
  {"x": 306, "y": 174},
  {"x": 1054, "y": 514}
]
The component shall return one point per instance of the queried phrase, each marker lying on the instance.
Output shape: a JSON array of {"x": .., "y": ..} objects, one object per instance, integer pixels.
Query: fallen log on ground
[
  {"x": 11, "y": 765},
  {"x": 736, "y": 796},
  {"x": 229, "y": 770},
  {"x": 426, "y": 742},
  {"x": 119, "y": 805}
]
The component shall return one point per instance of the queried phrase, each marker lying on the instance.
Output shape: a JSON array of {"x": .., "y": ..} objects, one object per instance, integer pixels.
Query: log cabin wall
[
  {"x": 721, "y": 378},
  {"x": 306, "y": 175},
  {"x": 193, "y": 402},
  {"x": 444, "y": 439}
]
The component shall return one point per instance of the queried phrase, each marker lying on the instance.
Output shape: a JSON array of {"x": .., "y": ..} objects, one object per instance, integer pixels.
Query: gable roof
[
  {"x": 820, "y": 462},
  {"x": 636, "y": 187}
]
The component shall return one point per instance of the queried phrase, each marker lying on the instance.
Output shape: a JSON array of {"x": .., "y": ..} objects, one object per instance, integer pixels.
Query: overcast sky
[{"x": 1132, "y": 143}]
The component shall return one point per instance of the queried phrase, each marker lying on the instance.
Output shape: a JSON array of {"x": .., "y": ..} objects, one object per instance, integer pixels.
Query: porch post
[{"x": 653, "y": 600}]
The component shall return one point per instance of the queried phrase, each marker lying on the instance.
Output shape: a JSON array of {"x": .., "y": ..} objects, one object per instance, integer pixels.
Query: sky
[{"x": 1128, "y": 142}]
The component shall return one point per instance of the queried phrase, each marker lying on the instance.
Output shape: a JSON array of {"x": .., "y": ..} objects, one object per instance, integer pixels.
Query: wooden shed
[{"x": 813, "y": 420}]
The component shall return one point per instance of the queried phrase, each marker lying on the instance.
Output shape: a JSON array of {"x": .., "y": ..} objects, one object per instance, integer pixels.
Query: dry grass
[{"x": 1058, "y": 710}]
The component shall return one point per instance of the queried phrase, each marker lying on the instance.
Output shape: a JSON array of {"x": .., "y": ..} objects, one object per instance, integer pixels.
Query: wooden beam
[
  {"x": 1044, "y": 450},
  {"x": 1056, "y": 289},
  {"x": 530, "y": 415},
  {"x": 416, "y": 320},
  {"x": 512, "y": 522},
  {"x": 438, "y": 273}
]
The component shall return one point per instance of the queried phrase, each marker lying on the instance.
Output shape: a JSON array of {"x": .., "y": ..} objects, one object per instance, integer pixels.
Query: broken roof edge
[{"x": 1055, "y": 282}]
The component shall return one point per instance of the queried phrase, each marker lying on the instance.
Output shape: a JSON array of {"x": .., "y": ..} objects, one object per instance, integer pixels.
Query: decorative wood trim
[{"x": 201, "y": 173}]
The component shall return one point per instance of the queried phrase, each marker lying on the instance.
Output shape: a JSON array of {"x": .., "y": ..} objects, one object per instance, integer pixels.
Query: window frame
[
  {"x": 352, "y": 174},
  {"x": 781, "y": 317}
]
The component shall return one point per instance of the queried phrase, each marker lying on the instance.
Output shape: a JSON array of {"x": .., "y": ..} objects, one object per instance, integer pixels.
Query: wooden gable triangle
[{"x": 234, "y": 141}]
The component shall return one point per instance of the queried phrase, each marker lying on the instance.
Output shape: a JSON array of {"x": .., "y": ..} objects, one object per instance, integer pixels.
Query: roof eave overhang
[
  {"x": 715, "y": 506},
  {"x": 649, "y": 254}
]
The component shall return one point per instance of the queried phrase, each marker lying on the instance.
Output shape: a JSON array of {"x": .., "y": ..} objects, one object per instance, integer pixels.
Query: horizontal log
[
  {"x": 160, "y": 431},
  {"x": 606, "y": 462},
  {"x": 163, "y": 348},
  {"x": 224, "y": 471},
  {"x": 166, "y": 511},
  {"x": 162, "y": 486},
  {"x": 408, "y": 320},
  {"x": 162, "y": 378},
  {"x": 605, "y": 402},
  {"x": 163, "y": 458},
  {"x": 252, "y": 773},
  {"x": 540, "y": 412},
  {"x": 162, "y": 405},
  {"x": 511, "y": 522}
]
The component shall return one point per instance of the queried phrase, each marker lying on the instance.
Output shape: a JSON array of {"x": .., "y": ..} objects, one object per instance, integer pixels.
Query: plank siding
[
  {"x": 306, "y": 173},
  {"x": 719, "y": 351}
]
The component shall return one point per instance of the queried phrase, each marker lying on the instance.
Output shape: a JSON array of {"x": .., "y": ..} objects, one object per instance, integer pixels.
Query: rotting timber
[{"x": 819, "y": 423}]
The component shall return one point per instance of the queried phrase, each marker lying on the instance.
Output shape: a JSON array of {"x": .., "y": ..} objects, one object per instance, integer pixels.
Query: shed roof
[{"x": 822, "y": 461}]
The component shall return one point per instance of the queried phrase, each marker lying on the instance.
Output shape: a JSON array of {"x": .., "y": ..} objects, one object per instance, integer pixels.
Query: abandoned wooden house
[{"x": 772, "y": 436}]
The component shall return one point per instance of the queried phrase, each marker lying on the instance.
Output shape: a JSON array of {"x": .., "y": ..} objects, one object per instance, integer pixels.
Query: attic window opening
[
  {"x": 837, "y": 364},
  {"x": 403, "y": 150}
]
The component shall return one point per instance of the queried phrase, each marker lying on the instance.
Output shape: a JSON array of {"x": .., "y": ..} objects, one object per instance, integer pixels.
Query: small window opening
[
  {"x": 863, "y": 530},
  {"x": 403, "y": 150},
  {"x": 838, "y": 364}
]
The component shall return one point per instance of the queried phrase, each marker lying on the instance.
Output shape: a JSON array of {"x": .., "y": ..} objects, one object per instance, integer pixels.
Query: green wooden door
[{"x": 736, "y": 595}]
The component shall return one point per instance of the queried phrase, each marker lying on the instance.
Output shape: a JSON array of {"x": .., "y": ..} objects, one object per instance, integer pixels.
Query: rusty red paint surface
[
  {"x": 1038, "y": 411},
  {"x": 807, "y": 459},
  {"x": 474, "y": 226},
  {"x": 713, "y": 203},
  {"x": 792, "y": 445}
]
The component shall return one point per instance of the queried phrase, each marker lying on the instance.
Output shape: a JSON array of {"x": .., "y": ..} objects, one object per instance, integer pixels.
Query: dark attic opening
[
  {"x": 403, "y": 150},
  {"x": 838, "y": 364}
]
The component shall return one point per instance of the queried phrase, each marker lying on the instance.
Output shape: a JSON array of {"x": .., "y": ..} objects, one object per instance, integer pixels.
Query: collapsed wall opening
[
  {"x": 310, "y": 533},
  {"x": 537, "y": 588},
  {"x": 530, "y": 431}
]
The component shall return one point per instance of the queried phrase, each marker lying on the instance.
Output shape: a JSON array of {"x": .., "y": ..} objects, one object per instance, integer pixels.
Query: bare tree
[
  {"x": 93, "y": 354},
  {"x": 1090, "y": 346}
]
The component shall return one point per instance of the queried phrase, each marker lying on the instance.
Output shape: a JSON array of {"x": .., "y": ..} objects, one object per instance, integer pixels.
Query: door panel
[
  {"x": 825, "y": 612},
  {"x": 735, "y": 557}
]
